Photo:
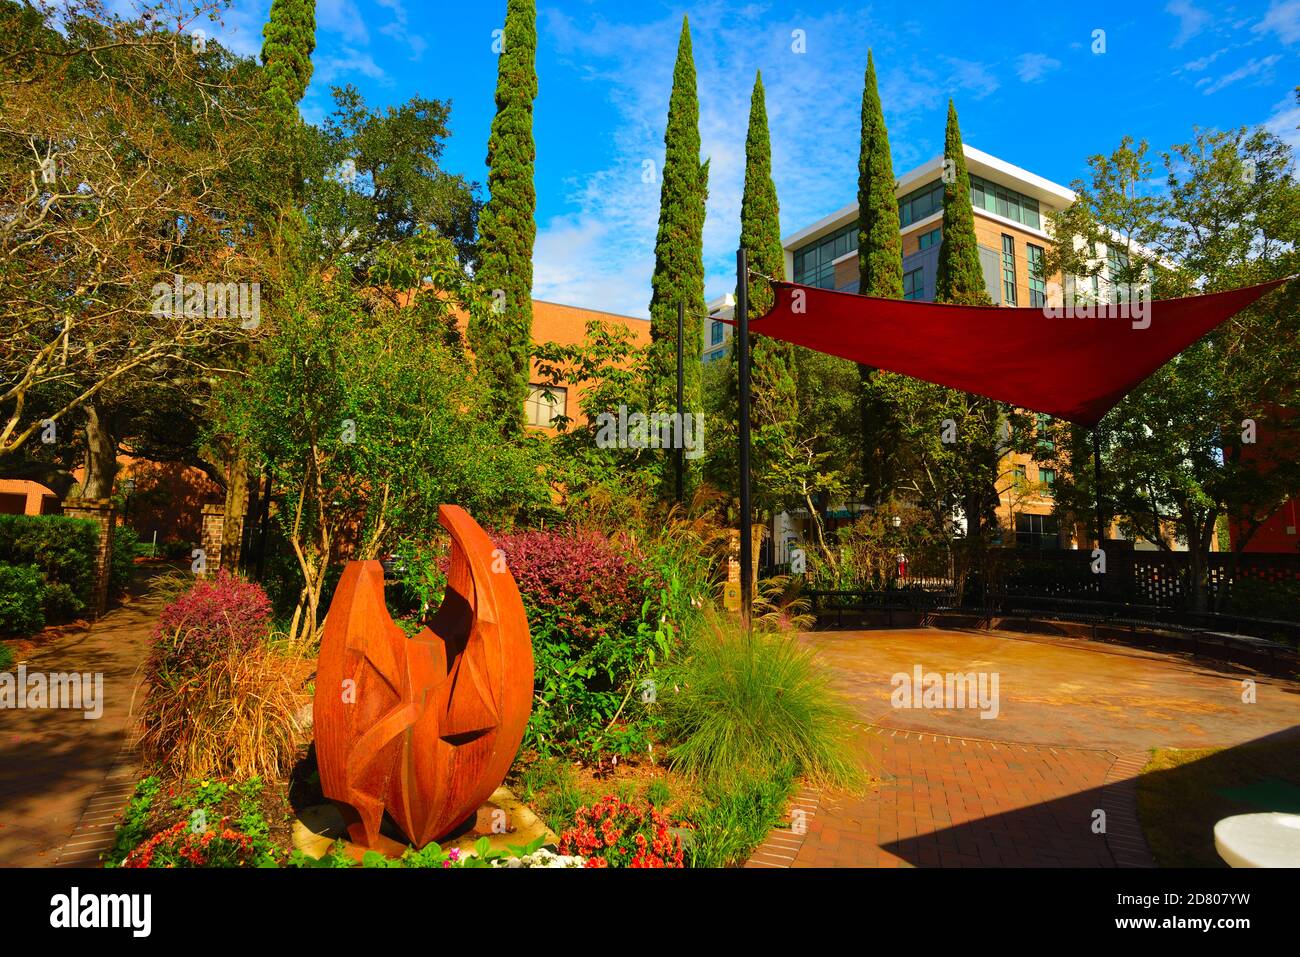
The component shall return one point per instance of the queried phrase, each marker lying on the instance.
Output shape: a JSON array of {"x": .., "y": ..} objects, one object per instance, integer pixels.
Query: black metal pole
[
  {"x": 1096, "y": 480},
  {"x": 681, "y": 421},
  {"x": 742, "y": 358}
]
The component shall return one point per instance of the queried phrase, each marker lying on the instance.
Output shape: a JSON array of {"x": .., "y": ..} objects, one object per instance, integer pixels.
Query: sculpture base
[{"x": 320, "y": 826}]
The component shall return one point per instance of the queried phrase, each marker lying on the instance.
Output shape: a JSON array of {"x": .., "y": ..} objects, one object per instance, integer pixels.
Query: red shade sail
[{"x": 1069, "y": 367}]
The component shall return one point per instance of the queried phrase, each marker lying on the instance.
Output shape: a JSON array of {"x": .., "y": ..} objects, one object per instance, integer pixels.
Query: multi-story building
[{"x": 1011, "y": 206}]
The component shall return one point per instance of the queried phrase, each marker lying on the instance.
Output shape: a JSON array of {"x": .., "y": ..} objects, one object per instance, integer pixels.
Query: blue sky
[{"x": 1027, "y": 84}]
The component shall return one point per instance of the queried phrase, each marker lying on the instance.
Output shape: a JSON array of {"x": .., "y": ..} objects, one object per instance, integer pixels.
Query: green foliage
[
  {"x": 6, "y": 656},
  {"x": 375, "y": 179},
  {"x": 737, "y": 707},
  {"x": 126, "y": 547},
  {"x": 880, "y": 247},
  {"x": 880, "y": 273},
  {"x": 1174, "y": 447},
  {"x": 679, "y": 246},
  {"x": 959, "y": 278},
  {"x": 22, "y": 599},
  {"x": 63, "y": 548},
  {"x": 730, "y": 821},
  {"x": 133, "y": 829},
  {"x": 502, "y": 337},
  {"x": 289, "y": 38}
]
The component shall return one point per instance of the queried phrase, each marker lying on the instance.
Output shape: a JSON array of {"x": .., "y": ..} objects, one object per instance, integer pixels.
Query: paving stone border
[{"x": 782, "y": 845}]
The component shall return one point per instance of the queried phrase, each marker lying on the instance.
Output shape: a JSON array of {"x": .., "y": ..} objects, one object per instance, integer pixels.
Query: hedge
[
  {"x": 22, "y": 600},
  {"x": 64, "y": 549}
]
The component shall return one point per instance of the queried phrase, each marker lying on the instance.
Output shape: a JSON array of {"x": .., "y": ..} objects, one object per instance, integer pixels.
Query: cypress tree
[
  {"x": 771, "y": 361},
  {"x": 959, "y": 279},
  {"x": 880, "y": 246},
  {"x": 288, "y": 40},
  {"x": 679, "y": 244},
  {"x": 501, "y": 336},
  {"x": 880, "y": 273}
]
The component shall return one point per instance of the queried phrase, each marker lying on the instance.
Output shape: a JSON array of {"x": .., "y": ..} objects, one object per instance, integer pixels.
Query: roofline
[
  {"x": 985, "y": 163},
  {"x": 599, "y": 312}
]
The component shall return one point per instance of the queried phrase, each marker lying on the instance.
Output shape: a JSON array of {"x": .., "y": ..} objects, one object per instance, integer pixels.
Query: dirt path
[{"x": 54, "y": 762}]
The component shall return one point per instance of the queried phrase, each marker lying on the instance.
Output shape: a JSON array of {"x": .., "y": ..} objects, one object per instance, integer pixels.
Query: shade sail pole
[
  {"x": 742, "y": 360},
  {"x": 681, "y": 423},
  {"x": 1096, "y": 481}
]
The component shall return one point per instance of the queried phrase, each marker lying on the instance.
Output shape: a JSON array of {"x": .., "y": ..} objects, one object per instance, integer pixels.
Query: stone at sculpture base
[{"x": 319, "y": 826}]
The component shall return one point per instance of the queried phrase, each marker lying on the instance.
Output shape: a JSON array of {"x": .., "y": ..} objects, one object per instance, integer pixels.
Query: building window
[
  {"x": 545, "y": 404},
  {"x": 1043, "y": 427},
  {"x": 713, "y": 356},
  {"x": 1007, "y": 203},
  {"x": 1020, "y": 478},
  {"x": 914, "y": 284},
  {"x": 1037, "y": 281},
  {"x": 920, "y": 203},
  {"x": 1047, "y": 478},
  {"x": 814, "y": 264},
  {"x": 1037, "y": 531},
  {"x": 716, "y": 333},
  {"x": 1008, "y": 270},
  {"x": 930, "y": 239}
]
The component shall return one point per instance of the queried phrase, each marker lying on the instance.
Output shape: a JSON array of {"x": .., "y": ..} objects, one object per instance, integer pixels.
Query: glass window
[
  {"x": 914, "y": 284},
  {"x": 931, "y": 238},
  {"x": 545, "y": 403},
  {"x": 1048, "y": 479},
  {"x": 716, "y": 332},
  {"x": 1008, "y": 270},
  {"x": 1037, "y": 281},
  {"x": 814, "y": 263}
]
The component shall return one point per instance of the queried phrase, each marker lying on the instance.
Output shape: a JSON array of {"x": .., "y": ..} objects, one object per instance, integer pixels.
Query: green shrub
[
  {"x": 64, "y": 549},
  {"x": 126, "y": 546},
  {"x": 22, "y": 600},
  {"x": 730, "y": 821},
  {"x": 62, "y": 603},
  {"x": 735, "y": 708},
  {"x": 6, "y": 656}
]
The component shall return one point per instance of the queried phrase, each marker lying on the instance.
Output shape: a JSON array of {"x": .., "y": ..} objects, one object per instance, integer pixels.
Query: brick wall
[{"x": 102, "y": 513}]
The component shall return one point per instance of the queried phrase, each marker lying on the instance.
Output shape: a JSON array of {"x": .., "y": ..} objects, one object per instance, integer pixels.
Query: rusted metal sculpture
[{"x": 424, "y": 728}]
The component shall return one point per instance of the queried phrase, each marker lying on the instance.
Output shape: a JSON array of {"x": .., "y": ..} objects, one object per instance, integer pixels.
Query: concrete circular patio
[{"x": 1074, "y": 722}]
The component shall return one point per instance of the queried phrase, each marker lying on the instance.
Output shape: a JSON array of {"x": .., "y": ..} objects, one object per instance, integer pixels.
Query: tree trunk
[{"x": 101, "y": 455}]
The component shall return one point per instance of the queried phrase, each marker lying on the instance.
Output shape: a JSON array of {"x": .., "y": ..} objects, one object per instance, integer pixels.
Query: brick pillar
[
  {"x": 102, "y": 513},
  {"x": 214, "y": 518}
]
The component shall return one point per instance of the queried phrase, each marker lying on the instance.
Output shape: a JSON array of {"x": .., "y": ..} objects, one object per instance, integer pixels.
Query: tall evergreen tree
[
  {"x": 679, "y": 245},
  {"x": 288, "y": 40},
  {"x": 880, "y": 273},
  {"x": 502, "y": 337},
  {"x": 960, "y": 279},
  {"x": 773, "y": 382},
  {"x": 880, "y": 245}
]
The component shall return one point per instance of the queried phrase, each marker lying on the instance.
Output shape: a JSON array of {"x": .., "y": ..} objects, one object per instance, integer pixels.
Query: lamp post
[
  {"x": 128, "y": 486},
  {"x": 742, "y": 361},
  {"x": 681, "y": 386}
]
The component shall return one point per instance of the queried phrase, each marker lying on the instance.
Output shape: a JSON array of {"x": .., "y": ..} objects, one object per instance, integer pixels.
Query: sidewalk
[{"x": 53, "y": 761}]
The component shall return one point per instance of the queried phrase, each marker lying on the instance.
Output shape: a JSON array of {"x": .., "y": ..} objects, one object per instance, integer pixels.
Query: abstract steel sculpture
[{"x": 424, "y": 728}]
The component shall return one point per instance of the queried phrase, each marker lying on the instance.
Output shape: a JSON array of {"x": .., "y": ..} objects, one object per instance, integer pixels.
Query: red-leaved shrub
[
  {"x": 611, "y": 833},
  {"x": 210, "y": 621},
  {"x": 574, "y": 584}
]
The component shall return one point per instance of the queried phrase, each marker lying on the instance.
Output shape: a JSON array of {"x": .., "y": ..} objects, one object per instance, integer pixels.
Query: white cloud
[
  {"x": 1283, "y": 18},
  {"x": 972, "y": 75},
  {"x": 1285, "y": 121},
  {"x": 1191, "y": 20},
  {"x": 346, "y": 61},
  {"x": 1031, "y": 67},
  {"x": 1253, "y": 67}
]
